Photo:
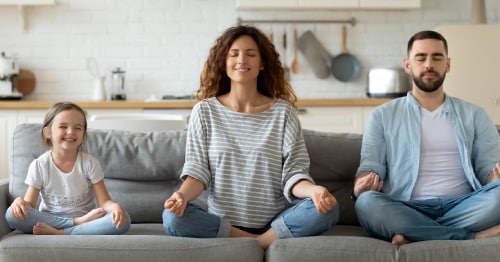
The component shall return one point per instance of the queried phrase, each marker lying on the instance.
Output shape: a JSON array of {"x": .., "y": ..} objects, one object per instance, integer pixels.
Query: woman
[{"x": 245, "y": 146}]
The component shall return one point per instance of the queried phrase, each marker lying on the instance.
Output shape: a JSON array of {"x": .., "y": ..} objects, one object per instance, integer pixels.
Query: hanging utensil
[
  {"x": 93, "y": 67},
  {"x": 345, "y": 67},
  {"x": 315, "y": 53},
  {"x": 285, "y": 66},
  {"x": 295, "y": 62}
]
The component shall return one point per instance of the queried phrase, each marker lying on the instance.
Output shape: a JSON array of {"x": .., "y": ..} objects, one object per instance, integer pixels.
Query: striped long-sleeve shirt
[{"x": 248, "y": 161}]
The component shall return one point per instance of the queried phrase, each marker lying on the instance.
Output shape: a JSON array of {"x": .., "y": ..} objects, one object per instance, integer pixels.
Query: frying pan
[{"x": 345, "y": 67}]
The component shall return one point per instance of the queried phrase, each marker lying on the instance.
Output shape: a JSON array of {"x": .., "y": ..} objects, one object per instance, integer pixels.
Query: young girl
[{"x": 68, "y": 181}]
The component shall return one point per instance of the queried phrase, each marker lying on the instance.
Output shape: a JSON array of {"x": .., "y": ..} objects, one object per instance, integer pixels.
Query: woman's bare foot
[
  {"x": 93, "y": 214},
  {"x": 41, "y": 228},
  {"x": 399, "y": 240},
  {"x": 493, "y": 231},
  {"x": 266, "y": 239}
]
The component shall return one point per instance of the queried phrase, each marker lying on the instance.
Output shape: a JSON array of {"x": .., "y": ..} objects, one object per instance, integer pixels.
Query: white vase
[{"x": 99, "y": 89}]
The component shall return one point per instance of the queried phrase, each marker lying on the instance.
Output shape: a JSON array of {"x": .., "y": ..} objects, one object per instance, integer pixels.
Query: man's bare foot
[
  {"x": 93, "y": 214},
  {"x": 41, "y": 228},
  {"x": 493, "y": 231},
  {"x": 399, "y": 240}
]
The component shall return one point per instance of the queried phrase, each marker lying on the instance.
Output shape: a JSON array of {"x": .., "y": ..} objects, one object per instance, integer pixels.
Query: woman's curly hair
[{"x": 271, "y": 80}]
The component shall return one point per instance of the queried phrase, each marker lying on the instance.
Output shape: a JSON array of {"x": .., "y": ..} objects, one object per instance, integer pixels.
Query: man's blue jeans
[
  {"x": 299, "y": 220},
  {"x": 457, "y": 217},
  {"x": 99, "y": 226}
]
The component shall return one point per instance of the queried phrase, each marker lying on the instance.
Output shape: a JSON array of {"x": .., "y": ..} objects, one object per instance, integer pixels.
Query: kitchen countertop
[{"x": 183, "y": 104}]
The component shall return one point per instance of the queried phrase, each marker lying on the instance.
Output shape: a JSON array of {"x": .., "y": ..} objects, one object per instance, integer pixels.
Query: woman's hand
[
  {"x": 176, "y": 203},
  {"x": 366, "y": 182},
  {"x": 323, "y": 200}
]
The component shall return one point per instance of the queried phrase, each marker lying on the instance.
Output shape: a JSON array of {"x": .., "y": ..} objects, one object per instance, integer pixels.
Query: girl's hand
[
  {"x": 323, "y": 200},
  {"x": 19, "y": 208},
  {"x": 176, "y": 204},
  {"x": 118, "y": 216}
]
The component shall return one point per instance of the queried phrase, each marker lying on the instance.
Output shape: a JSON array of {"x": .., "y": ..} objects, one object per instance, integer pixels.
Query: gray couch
[{"x": 142, "y": 171}]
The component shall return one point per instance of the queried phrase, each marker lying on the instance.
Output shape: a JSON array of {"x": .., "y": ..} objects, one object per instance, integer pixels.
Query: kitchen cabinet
[
  {"x": 328, "y": 4},
  {"x": 474, "y": 65},
  {"x": 27, "y": 2},
  {"x": 8, "y": 121},
  {"x": 335, "y": 119},
  {"x": 390, "y": 4}
]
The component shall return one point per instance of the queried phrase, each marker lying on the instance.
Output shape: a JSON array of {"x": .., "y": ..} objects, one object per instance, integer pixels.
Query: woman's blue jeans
[
  {"x": 99, "y": 226},
  {"x": 456, "y": 218},
  {"x": 300, "y": 220}
]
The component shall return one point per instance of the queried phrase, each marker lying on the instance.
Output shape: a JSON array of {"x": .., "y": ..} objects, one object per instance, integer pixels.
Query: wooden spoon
[
  {"x": 285, "y": 66},
  {"x": 295, "y": 62}
]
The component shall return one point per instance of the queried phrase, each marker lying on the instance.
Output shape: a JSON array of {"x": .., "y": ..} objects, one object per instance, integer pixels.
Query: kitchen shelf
[{"x": 22, "y": 5}]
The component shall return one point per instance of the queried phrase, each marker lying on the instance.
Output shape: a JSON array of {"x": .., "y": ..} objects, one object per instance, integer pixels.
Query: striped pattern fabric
[{"x": 248, "y": 162}]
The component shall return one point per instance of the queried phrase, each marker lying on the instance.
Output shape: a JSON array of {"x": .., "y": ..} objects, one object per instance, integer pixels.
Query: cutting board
[{"x": 26, "y": 82}]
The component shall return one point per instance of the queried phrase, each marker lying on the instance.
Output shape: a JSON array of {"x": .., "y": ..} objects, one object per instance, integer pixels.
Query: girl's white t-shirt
[{"x": 65, "y": 194}]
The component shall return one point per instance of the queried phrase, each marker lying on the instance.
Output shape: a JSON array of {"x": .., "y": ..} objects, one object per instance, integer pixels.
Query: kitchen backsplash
[{"x": 162, "y": 45}]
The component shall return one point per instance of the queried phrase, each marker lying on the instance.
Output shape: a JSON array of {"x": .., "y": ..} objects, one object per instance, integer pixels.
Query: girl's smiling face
[
  {"x": 243, "y": 61},
  {"x": 67, "y": 130}
]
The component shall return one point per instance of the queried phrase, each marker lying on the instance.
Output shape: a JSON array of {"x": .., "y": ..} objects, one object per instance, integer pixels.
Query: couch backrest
[
  {"x": 334, "y": 161},
  {"x": 142, "y": 169}
]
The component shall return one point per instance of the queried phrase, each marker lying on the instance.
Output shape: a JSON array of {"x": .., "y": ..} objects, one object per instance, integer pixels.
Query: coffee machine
[{"x": 9, "y": 70}]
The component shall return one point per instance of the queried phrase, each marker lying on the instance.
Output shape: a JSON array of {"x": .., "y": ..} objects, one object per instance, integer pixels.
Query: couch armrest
[{"x": 4, "y": 204}]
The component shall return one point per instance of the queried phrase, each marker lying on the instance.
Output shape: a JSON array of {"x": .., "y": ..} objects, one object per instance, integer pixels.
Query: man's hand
[
  {"x": 495, "y": 174},
  {"x": 366, "y": 182}
]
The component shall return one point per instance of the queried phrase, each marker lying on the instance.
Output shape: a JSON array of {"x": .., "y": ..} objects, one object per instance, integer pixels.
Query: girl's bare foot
[
  {"x": 41, "y": 228},
  {"x": 399, "y": 240},
  {"x": 93, "y": 214},
  {"x": 493, "y": 231}
]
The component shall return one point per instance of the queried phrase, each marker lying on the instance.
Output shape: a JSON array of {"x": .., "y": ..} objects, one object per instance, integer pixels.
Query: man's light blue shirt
[{"x": 391, "y": 143}]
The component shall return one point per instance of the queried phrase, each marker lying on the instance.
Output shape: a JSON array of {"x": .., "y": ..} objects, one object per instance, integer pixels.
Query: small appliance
[
  {"x": 388, "y": 82},
  {"x": 9, "y": 71},
  {"x": 118, "y": 84}
]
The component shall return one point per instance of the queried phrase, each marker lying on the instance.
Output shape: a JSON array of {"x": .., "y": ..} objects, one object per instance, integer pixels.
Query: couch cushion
[
  {"x": 124, "y": 248},
  {"x": 334, "y": 161}
]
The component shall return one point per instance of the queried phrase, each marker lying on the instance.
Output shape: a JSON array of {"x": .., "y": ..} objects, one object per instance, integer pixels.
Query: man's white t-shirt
[{"x": 440, "y": 173}]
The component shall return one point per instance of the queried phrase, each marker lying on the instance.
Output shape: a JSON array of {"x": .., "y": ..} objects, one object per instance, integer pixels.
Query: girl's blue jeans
[
  {"x": 300, "y": 220},
  {"x": 99, "y": 226},
  {"x": 447, "y": 218}
]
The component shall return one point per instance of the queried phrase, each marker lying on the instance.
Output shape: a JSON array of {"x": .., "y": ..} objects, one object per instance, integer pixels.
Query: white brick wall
[{"x": 162, "y": 44}]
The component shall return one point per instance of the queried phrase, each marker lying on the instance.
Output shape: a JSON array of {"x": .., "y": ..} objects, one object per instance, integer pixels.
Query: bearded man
[{"x": 429, "y": 167}]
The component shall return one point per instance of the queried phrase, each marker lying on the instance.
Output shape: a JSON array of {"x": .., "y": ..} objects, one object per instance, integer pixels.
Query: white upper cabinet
[
  {"x": 327, "y": 4},
  {"x": 263, "y": 4},
  {"x": 390, "y": 4},
  {"x": 27, "y": 2}
]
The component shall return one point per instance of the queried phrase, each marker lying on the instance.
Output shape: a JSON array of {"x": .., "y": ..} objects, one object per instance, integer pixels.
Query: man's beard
[{"x": 428, "y": 87}]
